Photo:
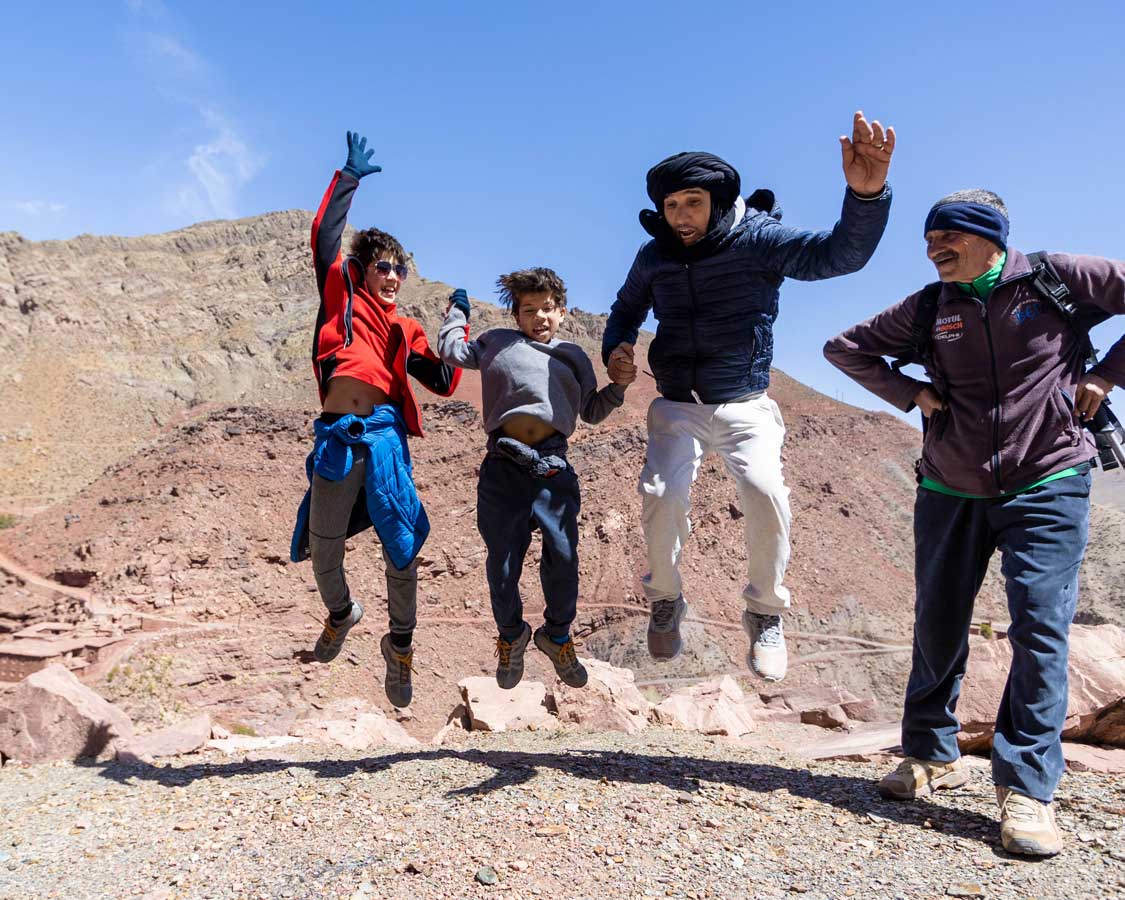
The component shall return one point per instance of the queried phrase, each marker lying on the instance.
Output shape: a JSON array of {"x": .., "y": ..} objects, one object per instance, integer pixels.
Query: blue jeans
[
  {"x": 510, "y": 505},
  {"x": 1041, "y": 536}
]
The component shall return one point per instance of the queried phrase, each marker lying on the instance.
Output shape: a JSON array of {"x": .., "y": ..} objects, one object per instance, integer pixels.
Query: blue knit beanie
[{"x": 974, "y": 211}]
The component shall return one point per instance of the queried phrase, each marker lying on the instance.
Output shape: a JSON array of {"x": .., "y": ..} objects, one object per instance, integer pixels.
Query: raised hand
[
  {"x": 460, "y": 299},
  {"x": 359, "y": 157},
  {"x": 621, "y": 368},
  {"x": 867, "y": 155}
]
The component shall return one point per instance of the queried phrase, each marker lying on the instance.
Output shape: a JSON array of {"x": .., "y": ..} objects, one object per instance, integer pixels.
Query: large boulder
[
  {"x": 609, "y": 702},
  {"x": 1087, "y": 758},
  {"x": 175, "y": 740},
  {"x": 491, "y": 708},
  {"x": 356, "y": 726},
  {"x": 711, "y": 707},
  {"x": 51, "y": 715},
  {"x": 869, "y": 742},
  {"x": 1103, "y": 726},
  {"x": 824, "y": 706},
  {"x": 1096, "y": 681}
]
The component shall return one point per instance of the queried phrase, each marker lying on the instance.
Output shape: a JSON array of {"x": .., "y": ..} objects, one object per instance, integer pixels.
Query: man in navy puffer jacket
[{"x": 711, "y": 275}]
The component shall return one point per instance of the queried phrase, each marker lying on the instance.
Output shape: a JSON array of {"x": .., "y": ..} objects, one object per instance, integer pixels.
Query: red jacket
[{"x": 357, "y": 334}]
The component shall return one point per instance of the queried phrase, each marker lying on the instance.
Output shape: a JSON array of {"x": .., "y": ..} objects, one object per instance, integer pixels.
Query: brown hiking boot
[
  {"x": 400, "y": 668},
  {"x": 1027, "y": 825},
  {"x": 918, "y": 777},
  {"x": 563, "y": 658},
  {"x": 509, "y": 659}
]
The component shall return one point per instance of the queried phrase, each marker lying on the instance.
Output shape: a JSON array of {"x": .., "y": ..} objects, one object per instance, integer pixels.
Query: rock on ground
[{"x": 51, "y": 715}]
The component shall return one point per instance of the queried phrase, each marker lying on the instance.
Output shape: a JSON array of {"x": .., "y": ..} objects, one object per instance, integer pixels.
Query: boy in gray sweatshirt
[{"x": 534, "y": 387}]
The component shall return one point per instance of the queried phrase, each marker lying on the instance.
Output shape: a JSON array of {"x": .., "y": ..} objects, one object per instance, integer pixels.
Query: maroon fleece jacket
[{"x": 1006, "y": 369}]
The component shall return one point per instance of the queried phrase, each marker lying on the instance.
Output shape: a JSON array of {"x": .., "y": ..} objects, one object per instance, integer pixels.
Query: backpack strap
[
  {"x": 1046, "y": 283},
  {"x": 921, "y": 329}
]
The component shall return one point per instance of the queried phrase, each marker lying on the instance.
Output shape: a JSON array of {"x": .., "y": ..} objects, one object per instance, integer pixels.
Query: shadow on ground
[{"x": 679, "y": 773}]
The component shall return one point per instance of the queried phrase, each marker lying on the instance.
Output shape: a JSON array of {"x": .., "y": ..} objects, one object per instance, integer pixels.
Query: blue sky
[{"x": 515, "y": 134}]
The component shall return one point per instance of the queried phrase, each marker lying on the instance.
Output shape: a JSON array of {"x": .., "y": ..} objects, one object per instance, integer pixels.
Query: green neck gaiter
[{"x": 982, "y": 285}]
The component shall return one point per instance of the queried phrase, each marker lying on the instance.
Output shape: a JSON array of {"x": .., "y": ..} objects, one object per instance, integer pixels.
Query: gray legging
[{"x": 330, "y": 510}]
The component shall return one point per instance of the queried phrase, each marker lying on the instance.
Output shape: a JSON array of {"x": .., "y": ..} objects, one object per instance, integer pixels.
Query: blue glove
[
  {"x": 359, "y": 157},
  {"x": 460, "y": 299}
]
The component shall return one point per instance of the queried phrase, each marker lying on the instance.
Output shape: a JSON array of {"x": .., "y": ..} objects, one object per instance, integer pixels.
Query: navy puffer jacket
[{"x": 714, "y": 335}]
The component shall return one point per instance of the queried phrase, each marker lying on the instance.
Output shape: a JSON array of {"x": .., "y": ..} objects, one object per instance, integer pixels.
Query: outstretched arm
[
  {"x": 596, "y": 405},
  {"x": 454, "y": 346},
  {"x": 813, "y": 255},
  {"x": 332, "y": 216}
]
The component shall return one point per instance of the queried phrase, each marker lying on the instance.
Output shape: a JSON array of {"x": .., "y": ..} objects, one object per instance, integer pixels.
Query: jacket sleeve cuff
[
  {"x": 1113, "y": 376},
  {"x": 615, "y": 391},
  {"x": 884, "y": 194},
  {"x": 904, "y": 393},
  {"x": 455, "y": 316}
]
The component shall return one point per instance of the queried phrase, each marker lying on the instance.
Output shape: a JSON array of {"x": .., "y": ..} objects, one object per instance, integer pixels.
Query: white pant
[{"x": 747, "y": 437}]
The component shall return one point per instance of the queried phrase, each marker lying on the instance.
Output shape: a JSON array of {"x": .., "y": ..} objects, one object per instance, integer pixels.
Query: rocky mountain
[{"x": 155, "y": 401}]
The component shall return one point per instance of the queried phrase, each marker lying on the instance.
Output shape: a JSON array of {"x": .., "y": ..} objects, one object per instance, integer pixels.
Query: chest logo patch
[
  {"x": 949, "y": 328},
  {"x": 1028, "y": 310}
]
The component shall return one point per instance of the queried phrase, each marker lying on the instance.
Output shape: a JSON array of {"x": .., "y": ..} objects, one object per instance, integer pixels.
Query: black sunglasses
[{"x": 385, "y": 267}]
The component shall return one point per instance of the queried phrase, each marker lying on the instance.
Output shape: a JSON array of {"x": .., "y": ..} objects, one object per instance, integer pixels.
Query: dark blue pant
[
  {"x": 510, "y": 504},
  {"x": 1041, "y": 536}
]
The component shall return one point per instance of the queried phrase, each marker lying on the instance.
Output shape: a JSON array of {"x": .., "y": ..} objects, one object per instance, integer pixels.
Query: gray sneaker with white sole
[{"x": 665, "y": 616}]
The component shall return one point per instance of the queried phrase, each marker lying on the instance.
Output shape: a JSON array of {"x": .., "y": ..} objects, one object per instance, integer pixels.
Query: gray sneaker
[
  {"x": 563, "y": 658},
  {"x": 509, "y": 656},
  {"x": 332, "y": 637},
  {"x": 400, "y": 667},
  {"x": 664, "y": 628},
  {"x": 768, "y": 656}
]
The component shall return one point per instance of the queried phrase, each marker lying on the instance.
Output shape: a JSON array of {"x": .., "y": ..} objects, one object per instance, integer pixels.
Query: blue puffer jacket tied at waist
[{"x": 389, "y": 502}]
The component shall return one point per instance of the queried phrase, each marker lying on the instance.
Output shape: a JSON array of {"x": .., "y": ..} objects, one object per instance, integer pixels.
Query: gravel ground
[{"x": 537, "y": 814}]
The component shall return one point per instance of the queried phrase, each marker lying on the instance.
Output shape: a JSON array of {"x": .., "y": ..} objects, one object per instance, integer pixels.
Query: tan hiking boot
[
  {"x": 1027, "y": 825},
  {"x": 918, "y": 777}
]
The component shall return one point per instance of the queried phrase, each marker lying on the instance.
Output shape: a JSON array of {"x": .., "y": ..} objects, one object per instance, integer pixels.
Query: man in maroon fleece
[{"x": 1005, "y": 466}]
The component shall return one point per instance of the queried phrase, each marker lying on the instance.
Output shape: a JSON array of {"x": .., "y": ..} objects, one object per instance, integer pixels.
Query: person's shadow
[{"x": 679, "y": 773}]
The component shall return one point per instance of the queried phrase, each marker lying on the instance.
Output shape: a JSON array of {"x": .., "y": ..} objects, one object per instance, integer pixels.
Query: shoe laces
[
  {"x": 906, "y": 767},
  {"x": 663, "y": 611},
  {"x": 503, "y": 651},
  {"x": 769, "y": 630},
  {"x": 405, "y": 661},
  {"x": 329, "y": 629},
  {"x": 1021, "y": 808},
  {"x": 567, "y": 656}
]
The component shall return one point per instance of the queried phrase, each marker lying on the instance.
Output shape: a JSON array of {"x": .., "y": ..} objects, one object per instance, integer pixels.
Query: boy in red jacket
[{"x": 359, "y": 471}]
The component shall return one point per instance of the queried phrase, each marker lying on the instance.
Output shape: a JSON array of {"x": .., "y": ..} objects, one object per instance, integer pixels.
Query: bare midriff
[
  {"x": 350, "y": 395},
  {"x": 528, "y": 429}
]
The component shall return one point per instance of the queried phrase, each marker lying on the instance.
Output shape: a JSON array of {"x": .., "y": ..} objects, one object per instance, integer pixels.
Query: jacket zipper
[
  {"x": 995, "y": 399},
  {"x": 691, "y": 292}
]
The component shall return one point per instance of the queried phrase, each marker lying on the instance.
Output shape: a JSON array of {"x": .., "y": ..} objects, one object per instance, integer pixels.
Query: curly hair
[
  {"x": 371, "y": 244},
  {"x": 530, "y": 281}
]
